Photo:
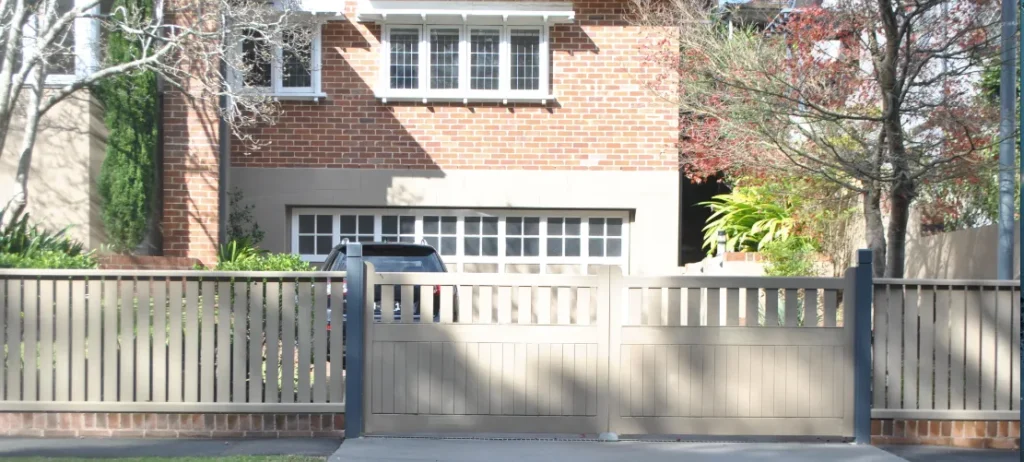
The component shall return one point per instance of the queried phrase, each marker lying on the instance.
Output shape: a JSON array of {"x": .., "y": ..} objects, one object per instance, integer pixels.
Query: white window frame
[
  {"x": 458, "y": 261},
  {"x": 277, "y": 88},
  {"x": 464, "y": 92}
]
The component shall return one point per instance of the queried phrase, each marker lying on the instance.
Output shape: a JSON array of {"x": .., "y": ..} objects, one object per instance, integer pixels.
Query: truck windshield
[{"x": 397, "y": 260}]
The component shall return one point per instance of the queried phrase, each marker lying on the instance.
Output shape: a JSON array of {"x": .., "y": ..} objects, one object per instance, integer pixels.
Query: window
[
  {"x": 522, "y": 237},
  {"x": 292, "y": 72},
  {"x": 396, "y": 228},
  {"x": 563, "y": 242},
  {"x": 357, "y": 228},
  {"x": 465, "y": 62},
  {"x": 316, "y": 234},
  {"x": 440, "y": 233},
  {"x": 481, "y": 236},
  {"x": 564, "y": 237},
  {"x": 605, "y": 237}
]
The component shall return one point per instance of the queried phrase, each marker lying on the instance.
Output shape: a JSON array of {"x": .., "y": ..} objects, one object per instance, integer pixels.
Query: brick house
[{"x": 513, "y": 136}]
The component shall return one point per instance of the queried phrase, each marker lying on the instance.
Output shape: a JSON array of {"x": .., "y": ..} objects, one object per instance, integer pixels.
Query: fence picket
[
  {"x": 958, "y": 355},
  {"x": 30, "y": 315},
  {"x": 752, "y": 298},
  {"x": 792, "y": 301},
  {"x": 159, "y": 340},
  {"x": 942, "y": 348},
  {"x": 674, "y": 306},
  {"x": 989, "y": 329},
  {"x": 273, "y": 337},
  {"x": 910, "y": 329},
  {"x": 771, "y": 307},
  {"x": 143, "y": 361},
  {"x": 46, "y": 382},
  {"x": 714, "y": 306},
  {"x": 337, "y": 344},
  {"x": 304, "y": 324},
  {"x": 466, "y": 304},
  {"x": 255, "y": 375},
  {"x": 240, "y": 317},
  {"x": 446, "y": 304},
  {"x": 175, "y": 360},
  {"x": 829, "y": 308},
  {"x": 1015, "y": 350},
  {"x": 1005, "y": 342},
  {"x": 192, "y": 340},
  {"x": 505, "y": 306},
  {"x": 62, "y": 341},
  {"x": 320, "y": 343},
  {"x": 405, "y": 304},
  {"x": 288, "y": 342},
  {"x": 428, "y": 310},
  {"x": 881, "y": 340},
  {"x": 7, "y": 309},
  {"x": 926, "y": 311},
  {"x": 693, "y": 307},
  {"x": 811, "y": 308},
  {"x": 13, "y": 324},
  {"x": 387, "y": 305},
  {"x": 894, "y": 301},
  {"x": 973, "y": 351},
  {"x": 732, "y": 307},
  {"x": 223, "y": 342}
]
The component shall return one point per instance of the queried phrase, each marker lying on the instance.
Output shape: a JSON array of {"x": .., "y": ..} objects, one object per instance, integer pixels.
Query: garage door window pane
[
  {"x": 306, "y": 245},
  {"x": 596, "y": 247},
  {"x": 306, "y": 223}
]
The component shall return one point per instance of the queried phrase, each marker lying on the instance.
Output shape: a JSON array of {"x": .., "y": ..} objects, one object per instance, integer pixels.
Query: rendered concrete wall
[{"x": 965, "y": 254}]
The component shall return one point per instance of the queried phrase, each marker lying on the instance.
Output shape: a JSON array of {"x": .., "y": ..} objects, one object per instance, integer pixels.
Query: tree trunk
[
  {"x": 899, "y": 215},
  {"x": 874, "y": 230}
]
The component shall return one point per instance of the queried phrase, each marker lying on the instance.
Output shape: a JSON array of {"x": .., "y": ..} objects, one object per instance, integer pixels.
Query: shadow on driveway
[
  {"x": 944, "y": 454},
  {"x": 110, "y": 448}
]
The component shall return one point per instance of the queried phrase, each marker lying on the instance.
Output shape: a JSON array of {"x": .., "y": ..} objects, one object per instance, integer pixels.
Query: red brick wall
[
  {"x": 604, "y": 118},
  {"x": 151, "y": 425},
  {"x": 969, "y": 434}
]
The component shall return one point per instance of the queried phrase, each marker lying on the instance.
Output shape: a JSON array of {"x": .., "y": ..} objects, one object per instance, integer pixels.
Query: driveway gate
[{"x": 696, "y": 355}]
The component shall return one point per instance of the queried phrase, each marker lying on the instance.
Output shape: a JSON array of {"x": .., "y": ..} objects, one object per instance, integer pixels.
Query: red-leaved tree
[{"x": 876, "y": 96}]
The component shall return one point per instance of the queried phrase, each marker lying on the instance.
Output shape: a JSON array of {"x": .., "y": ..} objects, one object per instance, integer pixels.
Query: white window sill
[
  {"x": 503, "y": 98},
  {"x": 314, "y": 97}
]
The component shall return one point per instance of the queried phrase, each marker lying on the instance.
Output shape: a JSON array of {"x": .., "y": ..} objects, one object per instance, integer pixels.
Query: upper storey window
[{"x": 455, "y": 51}]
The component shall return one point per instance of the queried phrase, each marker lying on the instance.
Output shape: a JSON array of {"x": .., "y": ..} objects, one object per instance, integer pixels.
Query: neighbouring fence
[
  {"x": 170, "y": 341},
  {"x": 607, "y": 352},
  {"x": 946, "y": 349}
]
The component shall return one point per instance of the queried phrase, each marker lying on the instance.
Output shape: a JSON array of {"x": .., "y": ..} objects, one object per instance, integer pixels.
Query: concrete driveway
[{"x": 456, "y": 450}]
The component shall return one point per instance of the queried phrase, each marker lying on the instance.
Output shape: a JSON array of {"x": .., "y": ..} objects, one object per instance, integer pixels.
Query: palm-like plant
[
  {"x": 749, "y": 218},
  {"x": 238, "y": 251},
  {"x": 18, "y": 237}
]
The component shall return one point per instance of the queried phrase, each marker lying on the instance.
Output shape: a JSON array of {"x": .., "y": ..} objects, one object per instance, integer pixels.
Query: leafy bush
[
  {"x": 750, "y": 216},
  {"x": 242, "y": 255},
  {"x": 794, "y": 256},
  {"x": 47, "y": 259},
  {"x": 239, "y": 250}
]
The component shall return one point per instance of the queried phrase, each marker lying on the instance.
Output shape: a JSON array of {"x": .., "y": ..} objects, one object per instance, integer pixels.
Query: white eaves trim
[
  {"x": 329, "y": 9},
  {"x": 443, "y": 12}
]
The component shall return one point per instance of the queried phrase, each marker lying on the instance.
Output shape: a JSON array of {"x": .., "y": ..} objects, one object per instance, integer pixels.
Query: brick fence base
[
  {"x": 1003, "y": 434},
  {"x": 152, "y": 425}
]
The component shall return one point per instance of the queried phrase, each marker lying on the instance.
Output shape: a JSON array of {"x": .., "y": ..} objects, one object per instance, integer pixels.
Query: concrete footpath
[
  {"x": 111, "y": 448},
  {"x": 464, "y": 450}
]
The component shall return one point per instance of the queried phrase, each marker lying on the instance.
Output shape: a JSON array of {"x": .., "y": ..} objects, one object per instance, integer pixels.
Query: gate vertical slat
[
  {"x": 634, "y": 307},
  {"x": 881, "y": 338},
  {"x": 386, "y": 405},
  {"x": 926, "y": 310},
  {"x": 732, "y": 307},
  {"x": 143, "y": 361},
  {"x": 94, "y": 348},
  {"x": 830, "y": 307},
  {"x": 336, "y": 340},
  {"x": 942, "y": 348},
  {"x": 752, "y": 297},
  {"x": 224, "y": 342},
  {"x": 192, "y": 340},
  {"x": 973, "y": 355},
  {"x": 207, "y": 349},
  {"x": 957, "y": 331},
  {"x": 62, "y": 340},
  {"x": 792, "y": 302},
  {"x": 692, "y": 307},
  {"x": 13, "y": 324},
  {"x": 446, "y": 304},
  {"x": 255, "y": 375},
  {"x": 428, "y": 310},
  {"x": 304, "y": 342},
  {"x": 771, "y": 307},
  {"x": 273, "y": 336},
  {"x": 288, "y": 342},
  {"x": 46, "y": 298},
  {"x": 894, "y": 359},
  {"x": 1004, "y": 368},
  {"x": 78, "y": 325},
  {"x": 714, "y": 300},
  {"x": 910, "y": 345},
  {"x": 768, "y": 371},
  {"x": 240, "y": 317},
  {"x": 320, "y": 343},
  {"x": 675, "y": 309},
  {"x": 988, "y": 317},
  {"x": 175, "y": 365},
  {"x": 811, "y": 308},
  {"x": 110, "y": 372},
  {"x": 31, "y": 319},
  {"x": 160, "y": 340},
  {"x": 387, "y": 305},
  {"x": 466, "y": 304},
  {"x": 505, "y": 306}
]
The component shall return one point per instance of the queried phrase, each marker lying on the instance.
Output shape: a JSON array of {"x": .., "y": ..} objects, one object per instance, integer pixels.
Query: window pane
[
  {"x": 572, "y": 247},
  {"x": 514, "y": 247},
  {"x": 531, "y": 247},
  {"x": 407, "y": 225},
  {"x": 596, "y": 247},
  {"x": 296, "y": 67},
  {"x": 323, "y": 245},
  {"x": 366, "y": 224},
  {"x": 554, "y": 246},
  {"x": 306, "y": 223},
  {"x": 389, "y": 225},
  {"x": 444, "y": 58},
  {"x": 473, "y": 225},
  {"x": 256, "y": 55},
  {"x": 407, "y": 239},
  {"x": 448, "y": 225},
  {"x": 491, "y": 227},
  {"x": 555, "y": 226},
  {"x": 525, "y": 51},
  {"x": 365, "y": 238},
  {"x": 514, "y": 226},
  {"x": 405, "y": 58},
  {"x": 531, "y": 226},
  {"x": 472, "y": 246},
  {"x": 490, "y": 246},
  {"x": 448, "y": 246},
  {"x": 596, "y": 227},
  {"x": 431, "y": 241},
  {"x": 348, "y": 224},
  {"x": 430, "y": 225},
  {"x": 614, "y": 247},
  {"x": 306, "y": 245},
  {"x": 484, "y": 55},
  {"x": 324, "y": 224},
  {"x": 572, "y": 226},
  {"x": 614, "y": 226}
]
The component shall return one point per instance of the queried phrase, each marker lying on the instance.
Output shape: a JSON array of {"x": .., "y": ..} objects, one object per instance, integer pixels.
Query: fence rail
[
  {"x": 946, "y": 349},
  {"x": 170, "y": 341}
]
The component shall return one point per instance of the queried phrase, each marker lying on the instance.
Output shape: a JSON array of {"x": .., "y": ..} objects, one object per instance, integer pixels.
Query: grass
[{"x": 179, "y": 459}]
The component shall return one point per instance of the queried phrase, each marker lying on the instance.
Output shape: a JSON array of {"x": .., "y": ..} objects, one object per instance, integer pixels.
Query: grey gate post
[
  {"x": 355, "y": 331},
  {"x": 863, "y": 282}
]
